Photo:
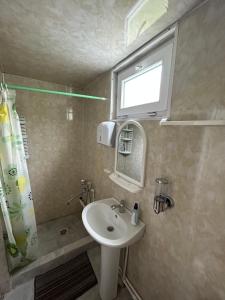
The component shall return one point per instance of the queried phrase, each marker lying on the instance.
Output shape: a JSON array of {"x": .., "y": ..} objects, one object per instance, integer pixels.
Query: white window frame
[{"x": 162, "y": 48}]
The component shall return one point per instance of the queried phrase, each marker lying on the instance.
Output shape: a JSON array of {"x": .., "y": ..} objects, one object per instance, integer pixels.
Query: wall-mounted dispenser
[
  {"x": 161, "y": 200},
  {"x": 106, "y": 133}
]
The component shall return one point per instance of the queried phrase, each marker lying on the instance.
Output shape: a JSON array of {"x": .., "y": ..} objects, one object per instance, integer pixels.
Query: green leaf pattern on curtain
[{"x": 15, "y": 191}]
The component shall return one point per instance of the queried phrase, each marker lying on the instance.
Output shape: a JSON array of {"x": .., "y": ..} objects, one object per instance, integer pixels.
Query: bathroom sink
[
  {"x": 110, "y": 227},
  {"x": 113, "y": 230}
]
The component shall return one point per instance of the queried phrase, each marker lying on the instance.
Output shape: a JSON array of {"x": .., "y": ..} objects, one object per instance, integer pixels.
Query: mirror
[{"x": 130, "y": 154}]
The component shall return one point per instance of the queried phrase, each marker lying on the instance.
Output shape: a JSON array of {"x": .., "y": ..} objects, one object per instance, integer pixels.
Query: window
[
  {"x": 144, "y": 87},
  {"x": 144, "y": 14}
]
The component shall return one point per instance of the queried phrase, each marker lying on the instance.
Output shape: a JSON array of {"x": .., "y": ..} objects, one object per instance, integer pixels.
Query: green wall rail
[{"x": 39, "y": 90}]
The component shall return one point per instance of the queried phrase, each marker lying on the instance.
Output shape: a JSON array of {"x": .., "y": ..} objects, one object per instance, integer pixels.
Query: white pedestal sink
[{"x": 113, "y": 230}]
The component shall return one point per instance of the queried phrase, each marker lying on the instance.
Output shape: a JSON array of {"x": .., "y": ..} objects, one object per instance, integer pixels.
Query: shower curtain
[{"x": 15, "y": 192}]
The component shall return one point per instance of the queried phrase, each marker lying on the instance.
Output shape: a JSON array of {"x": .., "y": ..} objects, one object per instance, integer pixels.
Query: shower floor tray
[
  {"x": 60, "y": 232},
  {"x": 59, "y": 241}
]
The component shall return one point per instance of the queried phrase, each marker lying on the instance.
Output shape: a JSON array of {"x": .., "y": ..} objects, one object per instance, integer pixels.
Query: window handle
[{"x": 152, "y": 114}]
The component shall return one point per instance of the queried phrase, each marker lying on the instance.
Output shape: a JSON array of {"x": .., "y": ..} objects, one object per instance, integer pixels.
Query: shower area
[
  {"x": 60, "y": 232},
  {"x": 52, "y": 130}
]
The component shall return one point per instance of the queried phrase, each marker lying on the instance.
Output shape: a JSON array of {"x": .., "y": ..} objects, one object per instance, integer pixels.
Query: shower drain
[
  {"x": 110, "y": 228},
  {"x": 63, "y": 231}
]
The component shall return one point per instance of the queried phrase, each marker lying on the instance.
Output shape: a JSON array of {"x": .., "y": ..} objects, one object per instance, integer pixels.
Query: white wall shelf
[
  {"x": 125, "y": 141},
  {"x": 165, "y": 122},
  {"x": 127, "y": 130},
  {"x": 129, "y": 186}
]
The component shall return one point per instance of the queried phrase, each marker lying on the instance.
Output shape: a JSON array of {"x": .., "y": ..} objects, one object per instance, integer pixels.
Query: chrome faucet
[{"x": 121, "y": 206}]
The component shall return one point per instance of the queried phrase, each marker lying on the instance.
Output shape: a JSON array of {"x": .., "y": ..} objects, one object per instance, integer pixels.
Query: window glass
[{"x": 142, "y": 88}]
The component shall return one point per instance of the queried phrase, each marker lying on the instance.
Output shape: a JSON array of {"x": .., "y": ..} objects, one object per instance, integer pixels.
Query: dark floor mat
[{"x": 66, "y": 282}]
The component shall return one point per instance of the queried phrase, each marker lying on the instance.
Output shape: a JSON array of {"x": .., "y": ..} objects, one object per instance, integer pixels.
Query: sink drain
[{"x": 110, "y": 228}]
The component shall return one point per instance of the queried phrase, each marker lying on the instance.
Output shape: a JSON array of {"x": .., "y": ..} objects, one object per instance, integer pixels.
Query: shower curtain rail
[{"x": 46, "y": 91}]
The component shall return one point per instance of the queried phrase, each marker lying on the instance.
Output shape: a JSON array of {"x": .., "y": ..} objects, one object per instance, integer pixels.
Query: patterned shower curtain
[{"x": 15, "y": 192}]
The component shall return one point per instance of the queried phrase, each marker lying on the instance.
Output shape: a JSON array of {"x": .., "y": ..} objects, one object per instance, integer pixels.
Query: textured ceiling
[{"x": 71, "y": 41}]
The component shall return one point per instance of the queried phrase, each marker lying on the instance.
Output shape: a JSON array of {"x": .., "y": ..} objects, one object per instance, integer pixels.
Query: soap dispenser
[{"x": 135, "y": 214}]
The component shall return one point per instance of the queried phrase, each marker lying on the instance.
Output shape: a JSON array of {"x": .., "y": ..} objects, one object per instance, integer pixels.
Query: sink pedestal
[
  {"x": 113, "y": 231},
  {"x": 109, "y": 272}
]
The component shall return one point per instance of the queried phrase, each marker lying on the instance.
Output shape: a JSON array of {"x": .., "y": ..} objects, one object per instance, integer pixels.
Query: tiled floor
[
  {"x": 60, "y": 232},
  {"x": 26, "y": 291}
]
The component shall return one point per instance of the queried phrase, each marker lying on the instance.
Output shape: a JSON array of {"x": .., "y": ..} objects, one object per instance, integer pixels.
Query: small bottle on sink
[{"x": 135, "y": 214}]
